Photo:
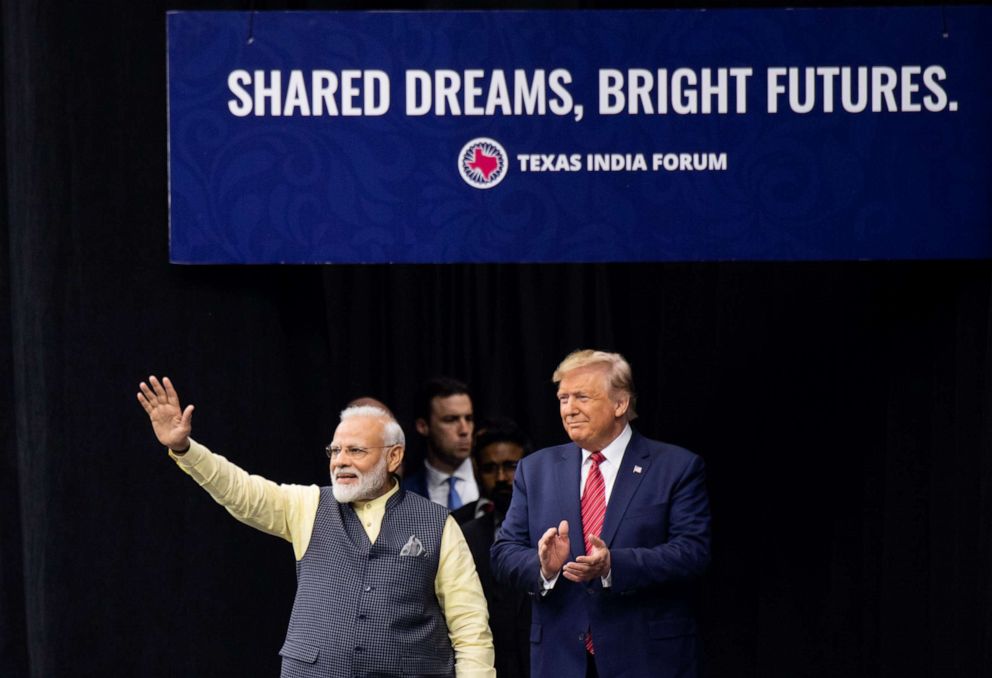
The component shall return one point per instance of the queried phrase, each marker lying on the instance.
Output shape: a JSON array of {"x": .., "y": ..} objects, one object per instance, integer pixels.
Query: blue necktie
[{"x": 454, "y": 500}]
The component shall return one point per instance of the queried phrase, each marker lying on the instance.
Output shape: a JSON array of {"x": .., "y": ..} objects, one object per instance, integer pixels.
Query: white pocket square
[{"x": 412, "y": 548}]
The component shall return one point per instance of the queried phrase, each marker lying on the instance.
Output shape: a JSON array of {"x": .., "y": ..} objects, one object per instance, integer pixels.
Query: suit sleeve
[
  {"x": 514, "y": 555},
  {"x": 686, "y": 553}
]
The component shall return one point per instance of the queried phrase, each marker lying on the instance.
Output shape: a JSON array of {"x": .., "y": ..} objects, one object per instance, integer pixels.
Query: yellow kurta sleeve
[
  {"x": 464, "y": 605},
  {"x": 286, "y": 511}
]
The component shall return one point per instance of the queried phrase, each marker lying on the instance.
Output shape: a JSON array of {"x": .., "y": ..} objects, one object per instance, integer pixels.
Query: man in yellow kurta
[{"x": 386, "y": 584}]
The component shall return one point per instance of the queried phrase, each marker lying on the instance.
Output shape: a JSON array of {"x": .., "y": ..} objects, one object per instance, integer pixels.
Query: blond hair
[{"x": 618, "y": 373}]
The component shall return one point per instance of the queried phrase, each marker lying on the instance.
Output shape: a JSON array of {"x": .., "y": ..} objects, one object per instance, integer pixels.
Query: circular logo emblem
[{"x": 483, "y": 163}]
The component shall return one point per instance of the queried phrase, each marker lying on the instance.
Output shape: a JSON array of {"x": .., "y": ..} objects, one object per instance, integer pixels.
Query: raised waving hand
[{"x": 171, "y": 423}]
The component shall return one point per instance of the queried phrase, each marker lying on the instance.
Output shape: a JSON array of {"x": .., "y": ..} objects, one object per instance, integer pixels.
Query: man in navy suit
[
  {"x": 609, "y": 534},
  {"x": 446, "y": 423}
]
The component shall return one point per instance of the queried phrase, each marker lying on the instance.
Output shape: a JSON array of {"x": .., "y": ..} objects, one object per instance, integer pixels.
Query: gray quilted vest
[{"x": 365, "y": 610}]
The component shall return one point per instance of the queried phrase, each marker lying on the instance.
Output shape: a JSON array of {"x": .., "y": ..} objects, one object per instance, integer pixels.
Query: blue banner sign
[{"x": 580, "y": 136}]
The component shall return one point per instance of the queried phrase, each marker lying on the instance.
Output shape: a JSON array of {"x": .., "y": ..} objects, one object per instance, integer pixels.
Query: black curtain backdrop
[{"x": 843, "y": 409}]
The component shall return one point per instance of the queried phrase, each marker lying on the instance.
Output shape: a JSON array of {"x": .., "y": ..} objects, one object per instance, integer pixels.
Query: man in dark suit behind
[
  {"x": 445, "y": 422},
  {"x": 609, "y": 534},
  {"x": 499, "y": 447}
]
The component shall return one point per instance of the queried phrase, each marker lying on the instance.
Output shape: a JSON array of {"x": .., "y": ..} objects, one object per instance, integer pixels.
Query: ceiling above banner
[{"x": 580, "y": 136}]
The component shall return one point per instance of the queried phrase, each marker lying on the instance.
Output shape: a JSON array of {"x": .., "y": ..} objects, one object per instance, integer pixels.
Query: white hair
[{"x": 392, "y": 433}]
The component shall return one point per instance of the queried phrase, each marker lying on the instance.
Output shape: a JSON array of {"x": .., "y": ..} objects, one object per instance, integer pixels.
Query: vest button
[
  {"x": 368, "y": 588},
  {"x": 361, "y": 616},
  {"x": 358, "y": 649}
]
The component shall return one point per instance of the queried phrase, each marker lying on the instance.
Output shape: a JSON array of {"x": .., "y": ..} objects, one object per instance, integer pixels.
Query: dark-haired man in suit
[{"x": 445, "y": 421}]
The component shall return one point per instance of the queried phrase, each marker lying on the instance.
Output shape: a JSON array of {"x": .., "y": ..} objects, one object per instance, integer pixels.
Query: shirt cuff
[
  {"x": 607, "y": 580},
  {"x": 548, "y": 584}
]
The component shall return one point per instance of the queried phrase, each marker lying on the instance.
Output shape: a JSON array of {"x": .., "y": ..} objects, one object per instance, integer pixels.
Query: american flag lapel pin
[{"x": 637, "y": 469}]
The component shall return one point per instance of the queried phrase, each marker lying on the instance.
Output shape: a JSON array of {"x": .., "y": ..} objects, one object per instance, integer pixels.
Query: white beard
[{"x": 368, "y": 486}]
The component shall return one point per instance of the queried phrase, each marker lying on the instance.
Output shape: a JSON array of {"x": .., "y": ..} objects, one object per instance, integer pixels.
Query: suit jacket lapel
[
  {"x": 569, "y": 463},
  {"x": 625, "y": 485}
]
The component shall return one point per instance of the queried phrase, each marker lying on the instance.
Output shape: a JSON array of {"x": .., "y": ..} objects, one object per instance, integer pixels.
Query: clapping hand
[
  {"x": 552, "y": 550},
  {"x": 590, "y": 566}
]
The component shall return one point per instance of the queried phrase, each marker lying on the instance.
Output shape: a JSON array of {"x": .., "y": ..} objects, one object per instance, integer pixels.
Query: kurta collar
[{"x": 378, "y": 502}]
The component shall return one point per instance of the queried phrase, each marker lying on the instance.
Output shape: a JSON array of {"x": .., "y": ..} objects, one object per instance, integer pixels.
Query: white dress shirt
[
  {"x": 610, "y": 466},
  {"x": 437, "y": 483}
]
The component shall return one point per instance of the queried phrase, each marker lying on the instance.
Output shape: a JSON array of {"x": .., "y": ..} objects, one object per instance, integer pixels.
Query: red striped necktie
[{"x": 593, "y": 511}]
